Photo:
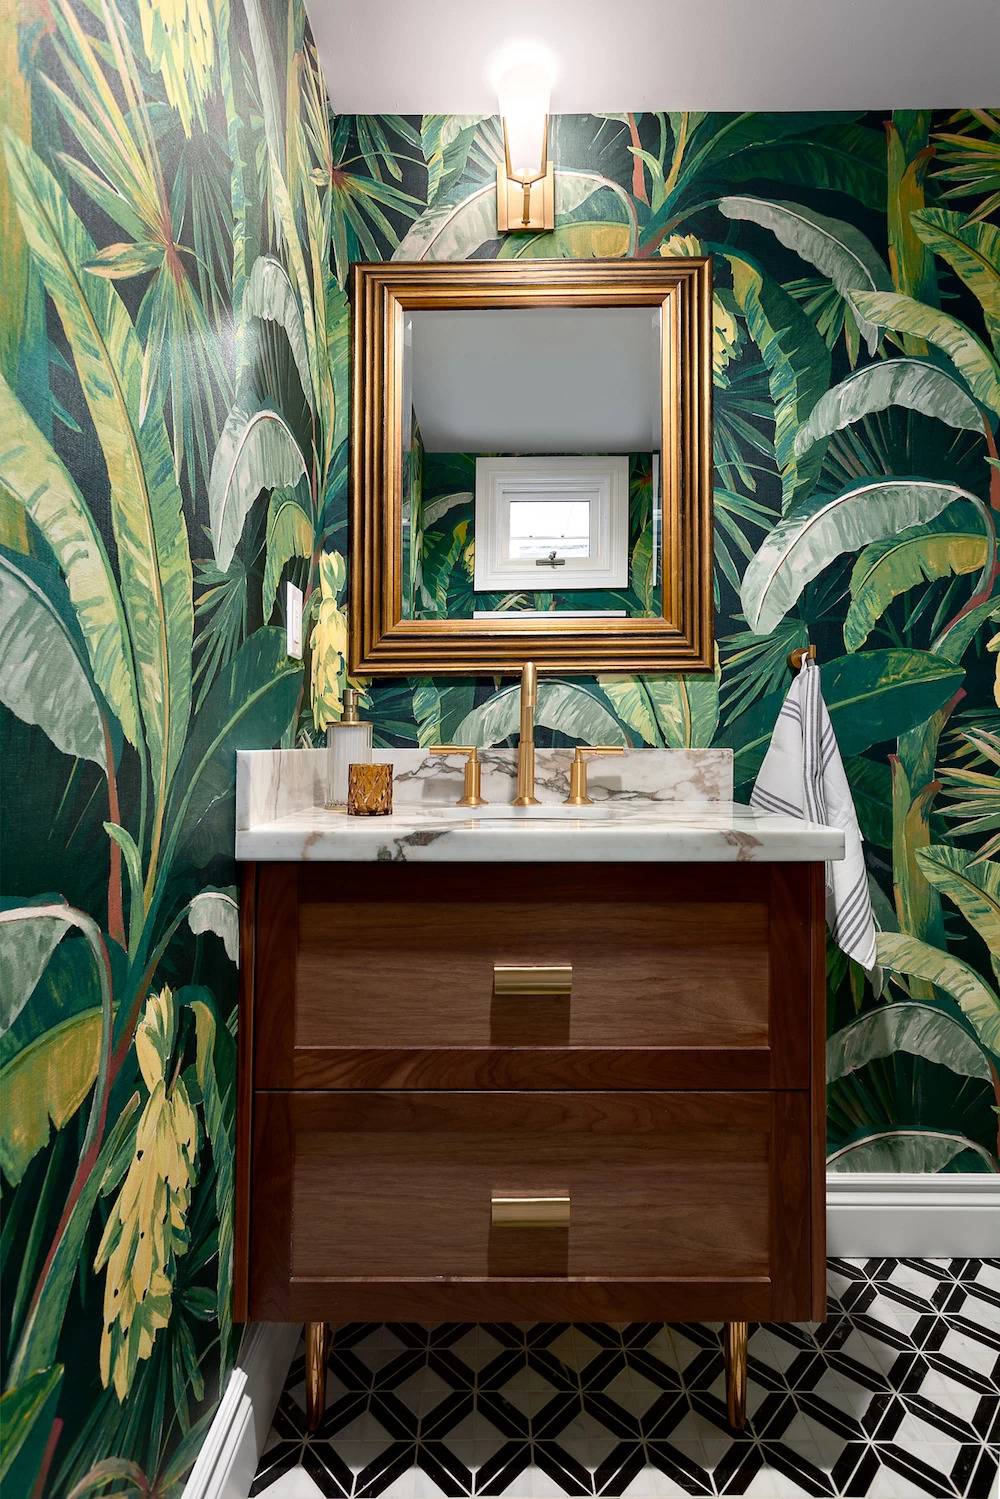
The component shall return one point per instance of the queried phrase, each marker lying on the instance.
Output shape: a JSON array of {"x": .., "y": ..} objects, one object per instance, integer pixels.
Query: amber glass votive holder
[{"x": 369, "y": 790}]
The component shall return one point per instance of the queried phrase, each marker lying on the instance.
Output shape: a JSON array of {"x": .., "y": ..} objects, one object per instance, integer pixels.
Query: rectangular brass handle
[
  {"x": 527, "y": 978},
  {"x": 529, "y": 1212}
]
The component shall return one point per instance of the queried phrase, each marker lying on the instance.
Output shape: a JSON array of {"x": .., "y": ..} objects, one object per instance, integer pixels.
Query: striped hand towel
[{"x": 803, "y": 776}]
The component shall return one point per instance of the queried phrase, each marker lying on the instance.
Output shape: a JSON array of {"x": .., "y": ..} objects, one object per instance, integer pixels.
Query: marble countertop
[
  {"x": 720, "y": 833},
  {"x": 654, "y": 806}
]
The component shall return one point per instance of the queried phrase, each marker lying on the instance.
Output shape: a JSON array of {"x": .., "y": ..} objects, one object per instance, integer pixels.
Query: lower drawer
[{"x": 428, "y": 1206}]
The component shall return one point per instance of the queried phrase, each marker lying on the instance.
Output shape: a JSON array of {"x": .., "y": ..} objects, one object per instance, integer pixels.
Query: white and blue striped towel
[{"x": 803, "y": 776}]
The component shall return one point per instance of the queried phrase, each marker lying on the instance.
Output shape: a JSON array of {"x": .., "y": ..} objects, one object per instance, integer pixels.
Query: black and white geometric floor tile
[{"x": 895, "y": 1395}]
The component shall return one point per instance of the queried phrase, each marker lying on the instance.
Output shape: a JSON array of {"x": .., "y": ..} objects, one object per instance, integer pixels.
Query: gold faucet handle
[
  {"x": 472, "y": 786},
  {"x": 578, "y": 771}
]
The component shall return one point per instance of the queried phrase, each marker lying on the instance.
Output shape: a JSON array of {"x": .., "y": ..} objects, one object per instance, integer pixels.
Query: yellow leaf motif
[
  {"x": 329, "y": 644},
  {"x": 179, "y": 39},
  {"x": 681, "y": 244},
  {"x": 726, "y": 336},
  {"x": 147, "y": 1229}
]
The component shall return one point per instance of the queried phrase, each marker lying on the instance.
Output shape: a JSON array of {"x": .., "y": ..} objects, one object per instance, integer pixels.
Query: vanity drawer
[
  {"x": 377, "y": 1206},
  {"x": 680, "y": 976}
]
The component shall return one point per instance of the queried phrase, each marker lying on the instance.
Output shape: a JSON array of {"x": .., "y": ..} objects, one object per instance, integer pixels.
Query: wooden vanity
[{"x": 568, "y": 1091}]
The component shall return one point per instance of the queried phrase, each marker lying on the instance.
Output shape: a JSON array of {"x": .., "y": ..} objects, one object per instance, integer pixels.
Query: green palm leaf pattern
[
  {"x": 561, "y": 705},
  {"x": 678, "y": 711},
  {"x": 180, "y": 216},
  {"x": 980, "y": 1005},
  {"x": 908, "y": 1150},
  {"x": 33, "y": 474},
  {"x": 834, "y": 247},
  {"x": 29, "y": 933},
  {"x": 453, "y": 228},
  {"x": 967, "y": 352},
  {"x": 913, "y": 383},
  {"x": 798, "y": 367},
  {"x": 871, "y": 697},
  {"x": 47, "y": 1081},
  {"x": 26, "y": 1414},
  {"x": 973, "y": 252},
  {"x": 145, "y": 501},
  {"x": 46, "y": 678},
  {"x": 972, "y": 885},
  {"x": 446, "y": 142},
  {"x": 257, "y": 450},
  {"x": 949, "y": 545},
  {"x": 822, "y": 528},
  {"x": 844, "y": 158},
  {"x": 289, "y": 534},
  {"x": 250, "y": 702},
  {"x": 269, "y": 296},
  {"x": 919, "y": 1029}
]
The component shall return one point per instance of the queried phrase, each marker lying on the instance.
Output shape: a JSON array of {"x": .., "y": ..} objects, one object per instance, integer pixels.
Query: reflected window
[
  {"x": 549, "y": 528},
  {"x": 552, "y": 522}
]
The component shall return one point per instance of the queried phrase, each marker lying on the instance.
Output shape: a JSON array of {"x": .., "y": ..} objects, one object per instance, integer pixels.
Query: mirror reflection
[{"x": 531, "y": 462}]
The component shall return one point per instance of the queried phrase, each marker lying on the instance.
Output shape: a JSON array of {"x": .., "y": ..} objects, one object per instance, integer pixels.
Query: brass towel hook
[{"x": 800, "y": 653}]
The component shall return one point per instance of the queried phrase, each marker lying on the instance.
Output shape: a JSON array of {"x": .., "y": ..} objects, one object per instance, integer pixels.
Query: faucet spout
[{"x": 526, "y": 744}]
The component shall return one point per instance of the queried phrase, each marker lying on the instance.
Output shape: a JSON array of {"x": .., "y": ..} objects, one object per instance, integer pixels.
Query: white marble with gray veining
[
  {"x": 270, "y": 783},
  {"x": 639, "y": 777},
  {"x": 654, "y": 806}
]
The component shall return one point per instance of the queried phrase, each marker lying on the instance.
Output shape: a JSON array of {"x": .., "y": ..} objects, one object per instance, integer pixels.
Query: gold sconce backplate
[{"x": 527, "y": 209}]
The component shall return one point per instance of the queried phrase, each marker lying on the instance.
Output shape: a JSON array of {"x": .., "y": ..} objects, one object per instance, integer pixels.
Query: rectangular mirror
[{"x": 531, "y": 466}]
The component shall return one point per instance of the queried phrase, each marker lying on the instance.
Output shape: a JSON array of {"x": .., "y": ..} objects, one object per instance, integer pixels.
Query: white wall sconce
[{"x": 525, "y": 184}]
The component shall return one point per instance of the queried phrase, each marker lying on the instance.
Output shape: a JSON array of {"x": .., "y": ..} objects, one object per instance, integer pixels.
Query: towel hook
[{"x": 800, "y": 653}]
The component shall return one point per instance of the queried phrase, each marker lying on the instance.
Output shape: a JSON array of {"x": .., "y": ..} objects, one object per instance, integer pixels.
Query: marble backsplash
[{"x": 274, "y": 783}]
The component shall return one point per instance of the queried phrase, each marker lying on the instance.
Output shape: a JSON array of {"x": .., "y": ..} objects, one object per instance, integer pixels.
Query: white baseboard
[
  {"x": 937, "y": 1216},
  {"x": 229, "y": 1455}
]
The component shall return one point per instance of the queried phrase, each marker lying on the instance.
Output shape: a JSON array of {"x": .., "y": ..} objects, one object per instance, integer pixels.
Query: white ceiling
[
  {"x": 433, "y": 56},
  {"x": 536, "y": 380}
]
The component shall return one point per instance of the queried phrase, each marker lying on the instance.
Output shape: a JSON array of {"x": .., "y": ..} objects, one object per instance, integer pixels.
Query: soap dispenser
[{"x": 348, "y": 742}]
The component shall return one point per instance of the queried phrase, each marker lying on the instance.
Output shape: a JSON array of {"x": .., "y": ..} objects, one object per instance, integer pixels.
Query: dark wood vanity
[{"x": 438, "y": 1122}]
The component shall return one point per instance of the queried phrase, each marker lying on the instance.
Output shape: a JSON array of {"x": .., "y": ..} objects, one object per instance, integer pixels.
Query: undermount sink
[{"x": 504, "y": 812}]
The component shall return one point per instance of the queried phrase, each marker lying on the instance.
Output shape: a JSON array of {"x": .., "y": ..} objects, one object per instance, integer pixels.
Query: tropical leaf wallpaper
[
  {"x": 856, "y": 364},
  {"x": 179, "y": 214},
  {"x": 171, "y": 438}
]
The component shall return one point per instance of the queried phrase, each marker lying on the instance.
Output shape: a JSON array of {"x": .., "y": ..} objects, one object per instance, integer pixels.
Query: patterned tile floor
[{"x": 896, "y": 1395}]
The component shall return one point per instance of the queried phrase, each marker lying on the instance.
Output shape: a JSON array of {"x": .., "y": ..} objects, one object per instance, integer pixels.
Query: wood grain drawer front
[
  {"x": 362, "y": 1195},
  {"x": 386, "y": 976}
]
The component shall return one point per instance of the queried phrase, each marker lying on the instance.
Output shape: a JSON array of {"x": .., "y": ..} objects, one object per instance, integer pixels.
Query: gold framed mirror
[{"x": 512, "y": 420}]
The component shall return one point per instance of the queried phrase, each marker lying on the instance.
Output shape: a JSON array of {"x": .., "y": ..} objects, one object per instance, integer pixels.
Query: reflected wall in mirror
[
  {"x": 531, "y": 466},
  {"x": 533, "y": 444}
]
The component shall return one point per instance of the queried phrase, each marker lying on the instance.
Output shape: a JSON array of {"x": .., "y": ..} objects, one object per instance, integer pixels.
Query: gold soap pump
[{"x": 348, "y": 742}]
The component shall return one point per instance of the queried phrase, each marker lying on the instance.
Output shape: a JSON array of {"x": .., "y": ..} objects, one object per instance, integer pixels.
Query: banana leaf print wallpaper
[
  {"x": 179, "y": 216},
  {"x": 856, "y": 369},
  {"x": 168, "y": 315}
]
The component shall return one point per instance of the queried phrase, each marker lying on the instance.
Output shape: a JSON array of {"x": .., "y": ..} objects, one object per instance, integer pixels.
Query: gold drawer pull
[
  {"x": 529, "y": 1212},
  {"x": 541, "y": 979}
]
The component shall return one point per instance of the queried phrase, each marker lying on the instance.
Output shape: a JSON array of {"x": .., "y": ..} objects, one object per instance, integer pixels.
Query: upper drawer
[{"x": 679, "y": 976}]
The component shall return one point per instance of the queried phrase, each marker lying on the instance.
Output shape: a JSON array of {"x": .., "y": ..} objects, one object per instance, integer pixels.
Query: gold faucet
[{"x": 526, "y": 745}]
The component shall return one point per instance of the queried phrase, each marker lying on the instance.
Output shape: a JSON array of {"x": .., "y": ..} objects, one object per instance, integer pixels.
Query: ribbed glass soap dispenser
[{"x": 348, "y": 742}]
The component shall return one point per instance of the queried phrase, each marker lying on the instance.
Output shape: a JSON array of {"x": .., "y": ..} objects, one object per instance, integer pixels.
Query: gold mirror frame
[{"x": 381, "y": 641}]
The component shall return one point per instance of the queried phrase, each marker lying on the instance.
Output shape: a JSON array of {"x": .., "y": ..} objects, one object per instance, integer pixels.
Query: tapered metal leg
[
  {"x": 317, "y": 1348},
  {"x": 736, "y": 1374}
]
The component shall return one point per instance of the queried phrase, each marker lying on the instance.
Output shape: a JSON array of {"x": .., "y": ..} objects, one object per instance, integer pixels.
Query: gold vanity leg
[
  {"x": 736, "y": 1374},
  {"x": 317, "y": 1349}
]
